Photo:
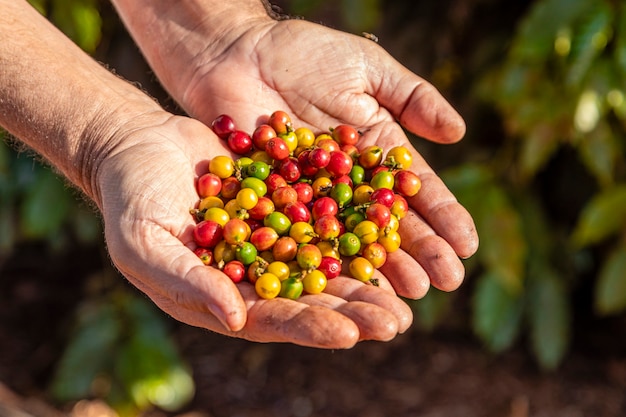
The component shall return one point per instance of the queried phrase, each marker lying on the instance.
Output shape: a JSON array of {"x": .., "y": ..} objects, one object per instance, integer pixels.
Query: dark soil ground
[{"x": 445, "y": 373}]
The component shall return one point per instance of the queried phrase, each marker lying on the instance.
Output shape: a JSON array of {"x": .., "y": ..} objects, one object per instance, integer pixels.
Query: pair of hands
[{"x": 322, "y": 78}]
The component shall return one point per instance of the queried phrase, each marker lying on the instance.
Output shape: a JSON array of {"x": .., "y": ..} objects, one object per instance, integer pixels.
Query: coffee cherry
[
  {"x": 361, "y": 269},
  {"x": 258, "y": 169},
  {"x": 235, "y": 270},
  {"x": 375, "y": 253},
  {"x": 324, "y": 206},
  {"x": 261, "y": 135},
  {"x": 205, "y": 255},
  {"x": 293, "y": 206},
  {"x": 339, "y": 164},
  {"x": 305, "y": 136},
  {"x": 276, "y": 148},
  {"x": 291, "y": 288},
  {"x": 297, "y": 212},
  {"x": 345, "y": 135},
  {"x": 263, "y": 207},
  {"x": 399, "y": 157},
  {"x": 379, "y": 214},
  {"x": 236, "y": 231},
  {"x": 314, "y": 282},
  {"x": 285, "y": 249},
  {"x": 382, "y": 179},
  {"x": 222, "y": 166},
  {"x": 349, "y": 244},
  {"x": 304, "y": 191},
  {"x": 264, "y": 238},
  {"x": 280, "y": 269},
  {"x": 280, "y": 121},
  {"x": 319, "y": 157},
  {"x": 407, "y": 183},
  {"x": 246, "y": 253},
  {"x": 223, "y": 125},
  {"x": 308, "y": 256},
  {"x": 327, "y": 227},
  {"x": 278, "y": 221},
  {"x": 209, "y": 185},
  {"x": 267, "y": 286},
  {"x": 331, "y": 267},
  {"x": 207, "y": 233},
  {"x": 371, "y": 157},
  {"x": 289, "y": 169},
  {"x": 384, "y": 196},
  {"x": 239, "y": 142}
]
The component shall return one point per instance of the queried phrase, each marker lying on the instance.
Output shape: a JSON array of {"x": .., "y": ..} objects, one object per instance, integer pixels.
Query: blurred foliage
[
  {"x": 27, "y": 189},
  {"x": 121, "y": 351},
  {"x": 356, "y": 15},
  {"x": 79, "y": 19},
  {"x": 559, "y": 89}
]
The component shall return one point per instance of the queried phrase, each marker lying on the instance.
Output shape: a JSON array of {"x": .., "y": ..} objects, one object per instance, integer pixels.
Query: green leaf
[
  {"x": 149, "y": 365},
  {"x": 620, "y": 43},
  {"x": 497, "y": 312},
  {"x": 467, "y": 183},
  {"x": 80, "y": 20},
  {"x": 603, "y": 216},
  {"x": 89, "y": 352},
  {"x": 610, "y": 291},
  {"x": 537, "y": 148},
  {"x": 431, "y": 310},
  {"x": 600, "y": 151},
  {"x": 305, "y": 7},
  {"x": 7, "y": 228},
  {"x": 40, "y": 5},
  {"x": 589, "y": 40},
  {"x": 538, "y": 30},
  {"x": 360, "y": 15},
  {"x": 503, "y": 246},
  {"x": 86, "y": 224},
  {"x": 45, "y": 207},
  {"x": 549, "y": 317}
]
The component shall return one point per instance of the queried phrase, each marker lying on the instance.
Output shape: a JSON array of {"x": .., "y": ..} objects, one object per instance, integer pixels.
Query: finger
[
  {"x": 379, "y": 278},
  {"x": 438, "y": 206},
  {"x": 277, "y": 320},
  {"x": 413, "y": 101},
  {"x": 434, "y": 202},
  {"x": 351, "y": 289},
  {"x": 171, "y": 271},
  {"x": 444, "y": 268},
  {"x": 374, "y": 322},
  {"x": 285, "y": 320},
  {"x": 408, "y": 277}
]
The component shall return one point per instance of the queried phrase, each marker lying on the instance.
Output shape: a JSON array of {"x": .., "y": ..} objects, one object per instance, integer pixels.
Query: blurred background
[{"x": 538, "y": 328}]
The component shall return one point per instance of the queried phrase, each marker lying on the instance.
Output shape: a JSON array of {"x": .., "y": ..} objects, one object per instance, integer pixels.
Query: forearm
[
  {"x": 174, "y": 35},
  {"x": 56, "y": 99}
]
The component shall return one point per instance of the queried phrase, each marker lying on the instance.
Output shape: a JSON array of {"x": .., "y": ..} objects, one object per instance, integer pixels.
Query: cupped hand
[
  {"x": 146, "y": 190},
  {"x": 323, "y": 77}
]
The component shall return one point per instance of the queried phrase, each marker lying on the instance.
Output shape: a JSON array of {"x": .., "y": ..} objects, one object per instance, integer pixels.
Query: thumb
[{"x": 413, "y": 101}]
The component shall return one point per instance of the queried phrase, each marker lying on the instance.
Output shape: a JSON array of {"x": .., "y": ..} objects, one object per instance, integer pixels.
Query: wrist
[
  {"x": 60, "y": 102},
  {"x": 180, "y": 38}
]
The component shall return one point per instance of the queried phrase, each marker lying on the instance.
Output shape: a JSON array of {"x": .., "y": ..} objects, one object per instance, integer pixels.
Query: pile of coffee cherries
[{"x": 296, "y": 208}]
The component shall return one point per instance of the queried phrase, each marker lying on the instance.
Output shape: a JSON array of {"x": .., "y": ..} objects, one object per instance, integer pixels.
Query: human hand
[
  {"x": 145, "y": 191},
  {"x": 324, "y": 77}
]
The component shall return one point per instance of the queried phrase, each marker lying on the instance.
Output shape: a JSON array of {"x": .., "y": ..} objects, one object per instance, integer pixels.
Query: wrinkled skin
[{"x": 321, "y": 77}]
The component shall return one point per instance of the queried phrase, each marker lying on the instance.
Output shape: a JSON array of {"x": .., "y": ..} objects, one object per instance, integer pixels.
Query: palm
[
  {"x": 324, "y": 77},
  {"x": 148, "y": 230},
  {"x": 295, "y": 66}
]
